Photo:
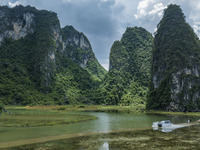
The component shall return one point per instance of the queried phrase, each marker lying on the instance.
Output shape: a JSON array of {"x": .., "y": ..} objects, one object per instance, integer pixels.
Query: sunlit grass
[{"x": 95, "y": 108}]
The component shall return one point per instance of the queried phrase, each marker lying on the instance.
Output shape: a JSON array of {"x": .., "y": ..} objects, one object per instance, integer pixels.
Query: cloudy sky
[{"x": 104, "y": 21}]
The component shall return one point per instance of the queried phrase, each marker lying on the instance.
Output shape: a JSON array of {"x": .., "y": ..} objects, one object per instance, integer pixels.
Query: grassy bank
[
  {"x": 101, "y": 108},
  {"x": 90, "y": 108},
  {"x": 174, "y": 113},
  {"x": 31, "y": 117}
]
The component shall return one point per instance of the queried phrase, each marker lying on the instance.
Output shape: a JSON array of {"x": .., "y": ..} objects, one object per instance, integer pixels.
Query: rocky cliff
[
  {"x": 34, "y": 47},
  {"x": 175, "y": 81},
  {"x": 81, "y": 52}
]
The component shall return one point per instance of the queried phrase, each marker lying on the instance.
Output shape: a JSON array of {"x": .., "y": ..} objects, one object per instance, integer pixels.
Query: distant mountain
[
  {"x": 175, "y": 81},
  {"x": 42, "y": 63},
  {"x": 129, "y": 69}
]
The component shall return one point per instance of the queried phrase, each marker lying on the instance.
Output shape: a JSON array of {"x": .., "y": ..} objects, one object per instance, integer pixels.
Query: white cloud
[
  {"x": 13, "y": 4},
  {"x": 142, "y": 9},
  {"x": 150, "y": 8},
  {"x": 196, "y": 28},
  {"x": 193, "y": 17},
  {"x": 157, "y": 9}
]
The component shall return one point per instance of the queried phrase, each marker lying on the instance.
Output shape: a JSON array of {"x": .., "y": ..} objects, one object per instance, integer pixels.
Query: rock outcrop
[{"x": 175, "y": 82}]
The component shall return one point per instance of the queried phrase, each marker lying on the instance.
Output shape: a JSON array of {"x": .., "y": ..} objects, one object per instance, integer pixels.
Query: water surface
[{"x": 106, "y": 122}]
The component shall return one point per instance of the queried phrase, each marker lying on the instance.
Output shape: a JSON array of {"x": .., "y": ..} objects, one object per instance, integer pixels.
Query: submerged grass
[{"x": 181, "y": 139}]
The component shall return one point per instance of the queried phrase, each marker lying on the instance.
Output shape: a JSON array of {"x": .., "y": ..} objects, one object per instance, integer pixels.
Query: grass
[
  {"x": 95, "y": 108},
  {"x": 147, "y": 139},
  {"x": 29, "y": 117},
  {"x": 109, "y": 108},
  {"x": 174, "y": 113}
]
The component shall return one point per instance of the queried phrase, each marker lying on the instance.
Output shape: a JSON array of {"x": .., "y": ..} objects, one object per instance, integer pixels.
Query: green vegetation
[
  {"x": 2, "y": 108},
  {"x": 38, "y": 70},
  {"x": 176, "y": 55},
  {"x": 94, "y": 108},
  {"x": 29, "y": 117},
  {"x": 127, "y": 80},
  {"x": 80, "y": 52},
  {"x": 22, "y": 61},
  {"x": 54, "y": 66}
]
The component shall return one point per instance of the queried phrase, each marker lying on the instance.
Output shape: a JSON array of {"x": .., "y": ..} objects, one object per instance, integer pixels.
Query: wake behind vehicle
[{"x": 167, "y": 126}]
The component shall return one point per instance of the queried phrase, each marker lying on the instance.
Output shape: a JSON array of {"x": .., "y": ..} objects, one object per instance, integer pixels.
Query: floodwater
[{"x": 106, "y": 122}]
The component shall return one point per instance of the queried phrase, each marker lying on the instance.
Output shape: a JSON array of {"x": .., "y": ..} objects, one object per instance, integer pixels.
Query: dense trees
[{"x": 129, "y": 71}]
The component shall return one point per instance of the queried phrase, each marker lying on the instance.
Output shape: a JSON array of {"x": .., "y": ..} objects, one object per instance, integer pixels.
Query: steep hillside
[
  {"x": 175, "y": 82},
  {"x": 129, "y": 69},
  {"x": 38, "y": 63},
  {"x": 79, "y": 50}
]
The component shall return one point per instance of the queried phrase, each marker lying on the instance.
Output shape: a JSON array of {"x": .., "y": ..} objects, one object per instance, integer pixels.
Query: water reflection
[
  {"x": 105, "y": 146},
  {"x": 104, "y": 123}
]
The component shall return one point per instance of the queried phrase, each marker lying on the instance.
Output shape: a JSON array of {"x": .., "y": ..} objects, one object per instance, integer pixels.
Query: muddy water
[{"x": 106, "y": 122}]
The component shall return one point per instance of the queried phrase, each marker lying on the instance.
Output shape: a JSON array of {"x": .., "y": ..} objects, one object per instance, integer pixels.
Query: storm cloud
[{"x": 104, "y": 21}]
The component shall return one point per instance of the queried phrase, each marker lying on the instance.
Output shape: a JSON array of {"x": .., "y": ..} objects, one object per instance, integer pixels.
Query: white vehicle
[{"x": 165, "y": 123}]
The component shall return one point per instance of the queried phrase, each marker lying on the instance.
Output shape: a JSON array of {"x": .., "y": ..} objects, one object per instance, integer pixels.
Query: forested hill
[
  {"x": 129, "y": 70},
  {"x": 42, "y": 63},
  {"x": 175, "y": 82}
]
